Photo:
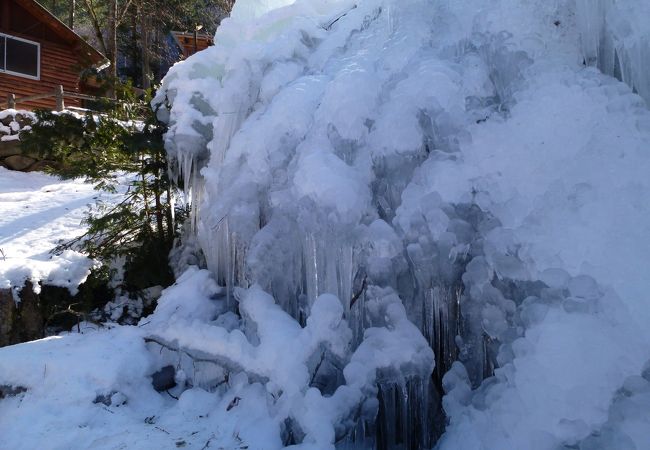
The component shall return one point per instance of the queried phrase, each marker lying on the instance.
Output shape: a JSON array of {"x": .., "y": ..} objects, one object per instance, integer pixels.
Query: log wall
[
  {"x": 60, "y": 57},
  {"x": 59, "y": 66}
]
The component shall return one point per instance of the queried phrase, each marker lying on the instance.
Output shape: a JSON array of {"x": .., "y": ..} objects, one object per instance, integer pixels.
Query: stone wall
[
  {"x": 22, "y": 321},
  {"x": 12, "y": 123},
  {"x": 49, "y": 312}
]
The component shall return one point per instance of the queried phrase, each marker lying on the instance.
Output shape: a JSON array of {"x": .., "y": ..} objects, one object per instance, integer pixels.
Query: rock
[
  {"x": 113, "y": 398},
  {"x": 23, "y": 321},
  {"x": 41, "y": 166},
  {"x": 11, "y": 391},
  {"x": 23, "y": 120},
  {"x": 9, "y": 148},
  {"x": 31, "y": 317},
  {"x": 7, "y": 311},
  {"x": 104, "y": 399},
  {"x": 164, "y": 379},
  {"x": 19, "y": 162}
]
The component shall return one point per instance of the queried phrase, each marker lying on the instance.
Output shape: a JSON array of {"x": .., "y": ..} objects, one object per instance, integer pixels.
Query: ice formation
[{"x": 478, "y": 162}]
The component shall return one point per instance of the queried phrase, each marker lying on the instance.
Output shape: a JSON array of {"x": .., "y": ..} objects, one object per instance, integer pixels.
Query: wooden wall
[
  {"x": 186, "y": 42},
  {"x": 59, "y": 61}
]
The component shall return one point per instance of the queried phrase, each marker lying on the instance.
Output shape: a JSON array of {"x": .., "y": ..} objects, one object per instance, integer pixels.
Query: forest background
[{"x": 135, "y": 34}]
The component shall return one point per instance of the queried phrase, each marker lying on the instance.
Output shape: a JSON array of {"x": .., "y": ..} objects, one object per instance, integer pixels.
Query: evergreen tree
[{"x": 122, "y": 153}]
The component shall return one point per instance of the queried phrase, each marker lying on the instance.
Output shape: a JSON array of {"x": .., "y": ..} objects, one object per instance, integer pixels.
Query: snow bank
[
  {"x": 63, "y": 377},
  {"x": 37, "y": 212}
]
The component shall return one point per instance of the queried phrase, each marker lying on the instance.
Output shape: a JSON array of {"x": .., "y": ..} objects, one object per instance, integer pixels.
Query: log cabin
[
  {"x": 39, "y": 53},
  {"x": 189, "y": 43}
]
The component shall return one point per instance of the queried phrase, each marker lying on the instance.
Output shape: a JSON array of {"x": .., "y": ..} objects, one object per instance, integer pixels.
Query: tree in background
[
  {"x": 133, "y": 33},
  {"x": 144, "y": 35},
  {"x": 65, "y": 10}
]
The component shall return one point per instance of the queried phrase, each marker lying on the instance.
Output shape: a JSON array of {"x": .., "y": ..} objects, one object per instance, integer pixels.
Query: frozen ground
[{"x": 400, "y": 198}]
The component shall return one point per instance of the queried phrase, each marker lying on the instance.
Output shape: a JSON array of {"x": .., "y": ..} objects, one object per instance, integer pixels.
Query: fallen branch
[{"x": 203, "y": 357}]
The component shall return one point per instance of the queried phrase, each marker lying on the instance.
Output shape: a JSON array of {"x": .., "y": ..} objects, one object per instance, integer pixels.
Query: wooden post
[
  {"x": 58, "y": 93},
  {"x": 11, "y": 101}
]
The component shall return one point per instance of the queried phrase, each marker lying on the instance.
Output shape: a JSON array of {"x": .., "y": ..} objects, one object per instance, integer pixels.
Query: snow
[
  {"x": 255, "y": 8},
  {"x": 14, "y": 137},
  {"x": 64, "y": 377},
  {"x": 384, "y": 190},
  {"x": 273, "y": 348},
  {"x": 37, "y": 212},
  {"x": 18, "y": 121},
  {"x": 13, "y": 112}
]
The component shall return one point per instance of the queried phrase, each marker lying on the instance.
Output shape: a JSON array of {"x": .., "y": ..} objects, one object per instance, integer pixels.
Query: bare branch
[{"x": 200, "y": 356}]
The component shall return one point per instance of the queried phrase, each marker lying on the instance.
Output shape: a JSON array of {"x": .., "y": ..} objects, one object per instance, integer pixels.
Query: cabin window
[{"x": 20, "y": 57}]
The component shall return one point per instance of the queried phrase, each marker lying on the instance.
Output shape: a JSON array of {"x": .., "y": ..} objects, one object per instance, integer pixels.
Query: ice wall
[
  {"x": 615, "y": 37},
  {"x": 457, "y": 158}
]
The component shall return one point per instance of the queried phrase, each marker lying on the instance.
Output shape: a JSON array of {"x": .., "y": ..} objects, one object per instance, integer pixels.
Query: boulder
[
  {"x": 23, "y": 120},
  {"x": 18, "y": 162},
  {"x": 9, "y": 148},
  {"x": 42, "y": 165}
]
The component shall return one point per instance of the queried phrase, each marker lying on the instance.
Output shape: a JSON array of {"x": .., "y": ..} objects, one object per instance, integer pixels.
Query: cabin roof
[{"x": 63, "y": 31}]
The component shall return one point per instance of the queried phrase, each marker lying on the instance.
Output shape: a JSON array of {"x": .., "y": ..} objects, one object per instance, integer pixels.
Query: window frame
[{"x": 38, "y": 58}]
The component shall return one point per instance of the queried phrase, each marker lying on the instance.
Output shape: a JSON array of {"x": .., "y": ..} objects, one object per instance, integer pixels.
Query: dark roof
[{"x": 63, "y": 31}]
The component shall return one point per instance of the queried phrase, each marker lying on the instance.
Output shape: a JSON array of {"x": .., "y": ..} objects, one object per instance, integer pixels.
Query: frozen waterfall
[{"x": 430, "y": 219}]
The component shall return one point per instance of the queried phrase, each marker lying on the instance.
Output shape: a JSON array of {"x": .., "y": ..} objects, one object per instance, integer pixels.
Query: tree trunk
[
  {"x": 146, "y": 54},
  {"x": 112, "y": 45},
  {"x": 71, "y": 13}
]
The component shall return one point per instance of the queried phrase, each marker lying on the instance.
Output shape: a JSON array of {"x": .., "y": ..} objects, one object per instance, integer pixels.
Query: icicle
[
  {"x": 345, "y": 275},
  {"x": 616, "y": 41},
  {"x": 404, "y": 415},
  {"x": 311, "y": 267},
  {"x": 186, "y": 160}
]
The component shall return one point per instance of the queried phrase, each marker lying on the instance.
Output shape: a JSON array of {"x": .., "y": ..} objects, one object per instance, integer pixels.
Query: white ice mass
[{"x": 425, "y": 225}]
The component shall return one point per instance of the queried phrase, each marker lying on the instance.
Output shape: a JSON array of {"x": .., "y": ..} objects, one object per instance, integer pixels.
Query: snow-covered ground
[
  {"x": 37, "y": 212},
  {"x": 374, "y": 180}
]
